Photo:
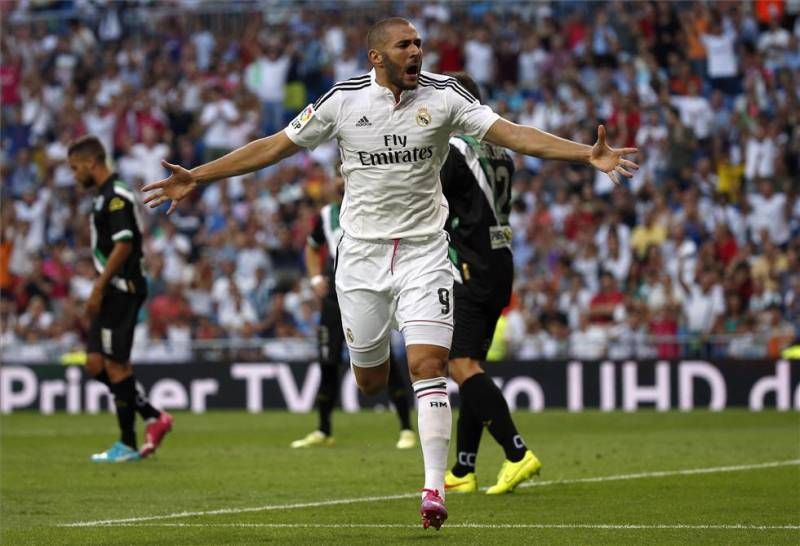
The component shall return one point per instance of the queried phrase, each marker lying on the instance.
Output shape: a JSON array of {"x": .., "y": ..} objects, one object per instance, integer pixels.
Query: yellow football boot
[
  {"x": 464, "y": 484},
  {"x": 513, "y": 474},
  {"x": 407, "y": 439},
  {"x": 314, "y": 439}
]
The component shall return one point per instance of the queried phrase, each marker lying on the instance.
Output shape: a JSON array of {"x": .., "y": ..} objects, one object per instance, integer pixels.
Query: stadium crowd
[{"x": 697, "y": 255}]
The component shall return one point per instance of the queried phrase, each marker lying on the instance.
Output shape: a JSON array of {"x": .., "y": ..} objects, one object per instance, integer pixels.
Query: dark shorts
[
  {"x": 475, "y": 321},
  {"x": 111, "y": 332},
  {"x": 330, "y": 335}
]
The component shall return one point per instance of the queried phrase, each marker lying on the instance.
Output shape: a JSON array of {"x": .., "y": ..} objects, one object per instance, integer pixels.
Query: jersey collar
[
  {"x": 380, "y": 91},
  {"x": 108, "y": 180}
]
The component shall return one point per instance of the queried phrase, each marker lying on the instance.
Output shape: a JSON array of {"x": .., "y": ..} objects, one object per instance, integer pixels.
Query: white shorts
[{"x": 404, "y": 284}]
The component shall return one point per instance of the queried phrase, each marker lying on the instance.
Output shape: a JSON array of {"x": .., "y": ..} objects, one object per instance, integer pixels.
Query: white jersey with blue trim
[{"x": 392, "y": 152}]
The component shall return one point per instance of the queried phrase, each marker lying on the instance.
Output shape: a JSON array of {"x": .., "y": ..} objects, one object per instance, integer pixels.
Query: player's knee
[
  {"x": 462, "y": 369},
  {"x": 372, "y": 384},
  {"x": 428, "y": 368},
  {"x": 372, "y": 381},
  {"x": 94, "y": 364},
  {"x": 118, "y": 371}
]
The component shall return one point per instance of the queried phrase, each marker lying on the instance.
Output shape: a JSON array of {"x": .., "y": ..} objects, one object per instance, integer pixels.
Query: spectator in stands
[
  {"x": 589, "y": 340},
  {"x": 218, "y": 116},
  {"x": 148, "y": 155},
  {"x": 649, "y": 233},
  {"x": 770, "y": 212},
  {"x": 720, "y": 46},
  {"x": 703, "y": 304},
  {"x": 266, "y": 78},
  {"x": 235, "y": 312},
  {"x": 606, "y": 306}
]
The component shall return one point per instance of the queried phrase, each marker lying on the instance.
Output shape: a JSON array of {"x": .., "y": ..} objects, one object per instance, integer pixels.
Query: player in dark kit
[
  {"x": 476, "y": 179},
  {"x": 326, "y": 234},
  {"x": 115, "y": 300}
]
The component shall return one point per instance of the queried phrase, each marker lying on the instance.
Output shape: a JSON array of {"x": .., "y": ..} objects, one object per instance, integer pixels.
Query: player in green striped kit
[{"x": 117, "y": 296}]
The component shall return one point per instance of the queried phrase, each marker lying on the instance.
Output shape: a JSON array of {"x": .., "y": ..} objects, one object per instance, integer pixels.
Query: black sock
[
  {"x": 326, "y": 396},
  {"x": 468, "y": 439},
  {"x": 488, "y": 405},
  {"x": 398, "y": 394},
  {"x": 125, "y": 401},
  {"x": 102, "y": 377},
  {"x": 143, "y": 406}
]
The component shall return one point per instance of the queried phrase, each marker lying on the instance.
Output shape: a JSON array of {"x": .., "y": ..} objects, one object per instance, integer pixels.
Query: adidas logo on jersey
[{"x": 363, "y": 122}]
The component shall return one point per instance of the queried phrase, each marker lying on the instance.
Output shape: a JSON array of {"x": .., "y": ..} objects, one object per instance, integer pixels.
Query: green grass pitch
[{"x": 236, "y": 481}]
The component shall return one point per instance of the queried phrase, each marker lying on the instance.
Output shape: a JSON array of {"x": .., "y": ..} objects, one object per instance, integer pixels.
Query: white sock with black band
[{"x": 434, "y": 423}]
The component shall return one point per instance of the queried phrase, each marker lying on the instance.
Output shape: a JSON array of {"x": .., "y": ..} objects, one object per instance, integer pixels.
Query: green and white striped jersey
[{"x": 115, "y": 218}]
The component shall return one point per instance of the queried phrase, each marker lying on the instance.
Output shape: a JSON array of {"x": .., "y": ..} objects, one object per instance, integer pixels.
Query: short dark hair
[
  {"x": 88, "y": 145},
  {"x": 376, "y": 37},
  {"x": 466, "y": 80}
]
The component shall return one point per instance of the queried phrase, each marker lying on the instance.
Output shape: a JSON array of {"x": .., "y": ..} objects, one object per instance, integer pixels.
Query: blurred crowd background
[{"x": 697, "y": 255}]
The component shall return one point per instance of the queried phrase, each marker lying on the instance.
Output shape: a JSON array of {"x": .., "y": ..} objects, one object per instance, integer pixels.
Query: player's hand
[
  {"x": 319, "y": 284},
  {"x": 94, "y": 301},
  {"x": 175, "y": 187},
  {"x": 611, "y": 160}
]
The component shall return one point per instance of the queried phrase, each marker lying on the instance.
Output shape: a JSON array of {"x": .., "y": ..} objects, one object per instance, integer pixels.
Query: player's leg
[
  {"x": 114, "y": 337},
  {"x": 158, "y": 423},
  {"x": 425, "y": 314},
  {"x": 482, "y": 402},
  {"x": 123, "y": 387},
  {"x": 469, "y": 338},
  {"x": 484, "y": 405},
  {"x": 99, "y": 348},
  {"x": 469, "y": 428},
  {"x": 434, "y": 420},
  {"x": 330, "y": 339},
  {"x": 365, "y": 302},
  {"x": 398, "y": 394},
  {"x": 95, "y": 367}
]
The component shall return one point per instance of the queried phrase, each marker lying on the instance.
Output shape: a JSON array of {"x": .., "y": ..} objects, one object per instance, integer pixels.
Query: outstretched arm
[
  {"x": 532, "y": 141},
  {"x": 250, "y": 157}
]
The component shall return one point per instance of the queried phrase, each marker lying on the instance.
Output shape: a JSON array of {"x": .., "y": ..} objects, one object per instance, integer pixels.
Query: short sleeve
[
  {"x": 468, "y": 115},
  {"x": 454, "y": 173},
  {"x": 316, "y": 123},
  {"x": 120, "y": 216}
]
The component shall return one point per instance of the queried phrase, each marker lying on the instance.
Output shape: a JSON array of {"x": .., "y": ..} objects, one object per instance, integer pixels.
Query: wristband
[{"x": 316, "y": 280}]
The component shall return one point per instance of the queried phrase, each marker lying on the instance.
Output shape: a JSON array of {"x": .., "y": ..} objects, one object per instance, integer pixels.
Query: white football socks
[{"x": 434, "y": 422}]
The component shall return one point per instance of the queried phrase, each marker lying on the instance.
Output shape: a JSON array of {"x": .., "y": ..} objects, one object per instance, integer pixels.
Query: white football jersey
[{"x": 392, "y": 153}]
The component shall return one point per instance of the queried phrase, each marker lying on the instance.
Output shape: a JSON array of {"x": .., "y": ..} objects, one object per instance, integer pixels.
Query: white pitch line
[
  {"x": 611, "y": 526},
  {"x": 355, "y": 500},
  {"x": 664, "y": 473}
]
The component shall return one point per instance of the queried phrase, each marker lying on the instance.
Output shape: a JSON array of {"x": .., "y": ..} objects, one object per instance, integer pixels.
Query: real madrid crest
[
  {"x": 349, "y": 334},
  {"x": 423, "y": 117}
]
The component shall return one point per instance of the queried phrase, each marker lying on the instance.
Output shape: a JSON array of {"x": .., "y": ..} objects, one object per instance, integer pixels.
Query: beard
[
  {"x": 395, "y": 72},
  {"x": 86, "y": 182}
]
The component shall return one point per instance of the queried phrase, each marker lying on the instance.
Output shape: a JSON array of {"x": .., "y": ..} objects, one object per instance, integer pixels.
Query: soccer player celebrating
[
  {"x": 476, "y": 180},
  {"x": 392, "y": 126},
  {"x": 327, "y": 233},
  {"x": 116, "y": 297}
]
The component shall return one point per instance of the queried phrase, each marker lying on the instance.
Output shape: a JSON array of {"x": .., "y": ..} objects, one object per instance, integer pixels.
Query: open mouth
[{"x": 412, "y": 70}]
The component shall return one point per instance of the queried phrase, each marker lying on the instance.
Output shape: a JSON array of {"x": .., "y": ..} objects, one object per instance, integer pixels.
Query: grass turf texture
[{"x": 227, "y": 460}]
